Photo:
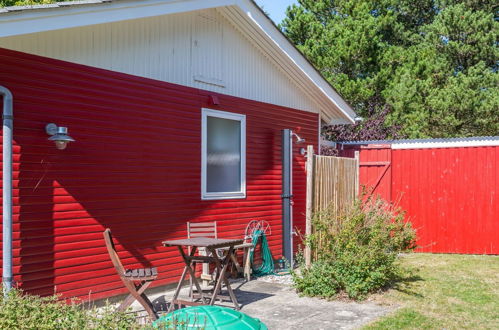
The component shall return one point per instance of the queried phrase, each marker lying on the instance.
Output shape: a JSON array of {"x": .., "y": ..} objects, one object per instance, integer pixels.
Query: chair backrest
[
  {"x": 202, "y": 229},
  {"x": 108, "y": 238}
]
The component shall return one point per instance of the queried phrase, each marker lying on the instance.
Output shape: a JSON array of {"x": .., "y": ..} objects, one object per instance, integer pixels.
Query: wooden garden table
[{"x": 211, "y": 245}]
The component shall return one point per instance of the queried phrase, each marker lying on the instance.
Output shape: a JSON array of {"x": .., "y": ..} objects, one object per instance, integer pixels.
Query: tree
[{"x": 425, "y": 68}]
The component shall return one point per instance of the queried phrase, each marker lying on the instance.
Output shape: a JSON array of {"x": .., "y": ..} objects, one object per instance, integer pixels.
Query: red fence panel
[
  {"x": 449, "y": 193},
  {"x": 450, "y": 197}
]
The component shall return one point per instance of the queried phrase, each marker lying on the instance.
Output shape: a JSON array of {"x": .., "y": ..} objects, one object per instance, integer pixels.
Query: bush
[
  {"x": 355, "y": 251},
  {"x": 23, "y": 311}
]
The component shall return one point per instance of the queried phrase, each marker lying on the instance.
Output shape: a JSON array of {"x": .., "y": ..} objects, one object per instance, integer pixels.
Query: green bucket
[{"x": 208, "y": 317}]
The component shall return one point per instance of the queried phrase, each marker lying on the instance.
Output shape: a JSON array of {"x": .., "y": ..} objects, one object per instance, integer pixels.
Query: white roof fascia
[
  {"x": 293, "y": 54},
  {"x": 63, "y": 17}
]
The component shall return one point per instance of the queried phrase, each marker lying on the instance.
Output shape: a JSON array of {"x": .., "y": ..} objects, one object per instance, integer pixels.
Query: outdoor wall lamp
[{"x": 59, "y": 135}]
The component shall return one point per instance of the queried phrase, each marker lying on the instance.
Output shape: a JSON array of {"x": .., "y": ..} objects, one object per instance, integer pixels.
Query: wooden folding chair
[
  {"x": 209, "y": 229},
  {"x": 135, "y": 280},
  {"x": 202, "y": 229}
]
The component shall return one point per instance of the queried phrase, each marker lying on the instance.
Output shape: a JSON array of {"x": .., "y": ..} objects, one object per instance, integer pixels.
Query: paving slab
[
  {"x": 283, "y": 308},
  {"x": 280, "y": 307}
]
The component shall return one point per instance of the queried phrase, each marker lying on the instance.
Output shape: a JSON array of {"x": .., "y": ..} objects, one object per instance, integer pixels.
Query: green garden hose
[{"x": 267, "y": 266}]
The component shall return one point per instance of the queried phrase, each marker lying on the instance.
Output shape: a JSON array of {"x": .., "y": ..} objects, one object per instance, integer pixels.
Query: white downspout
[{"x": 7, "y": 189}]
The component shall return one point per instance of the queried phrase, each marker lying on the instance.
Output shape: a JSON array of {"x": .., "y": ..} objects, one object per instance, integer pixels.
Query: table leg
[
  {"x": 220, "y": 274},
  {"x": 226, "y": 280},
  {"x": 222, "y": 278},
  {"x": 177, "y": 291},
  {"x": 231, "y": 293},
  {"x": 187, "y": 268},
  {"x": 218, "y": 271},
  {"x": 188, "y": 263}
]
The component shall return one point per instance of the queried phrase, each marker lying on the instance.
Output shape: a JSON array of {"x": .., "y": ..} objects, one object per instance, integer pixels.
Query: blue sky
[{"x": 276, "y": 8}]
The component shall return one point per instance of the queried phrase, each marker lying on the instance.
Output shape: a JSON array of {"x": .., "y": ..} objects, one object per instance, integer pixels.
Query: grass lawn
[{"x": 444, "y": 292}]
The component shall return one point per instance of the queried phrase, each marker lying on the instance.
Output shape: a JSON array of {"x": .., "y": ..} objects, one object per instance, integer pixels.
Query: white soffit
[{"x": 244, "y": 14}]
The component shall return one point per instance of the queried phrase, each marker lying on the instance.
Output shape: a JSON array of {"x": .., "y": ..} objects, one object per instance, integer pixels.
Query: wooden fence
[
  {"x": 332, "y": 182},
  {"x": 335, "y": 182}
]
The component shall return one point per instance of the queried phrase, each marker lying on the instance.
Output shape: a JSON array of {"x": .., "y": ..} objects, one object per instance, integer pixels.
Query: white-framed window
[{"x": 223, "y": 155}]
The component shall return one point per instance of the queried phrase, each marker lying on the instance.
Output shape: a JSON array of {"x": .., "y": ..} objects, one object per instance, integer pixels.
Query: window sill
[{"x": 208, "y": 197}]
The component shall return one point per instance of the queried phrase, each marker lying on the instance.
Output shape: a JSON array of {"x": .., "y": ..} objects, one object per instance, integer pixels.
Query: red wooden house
[{"x": 177, "y": 109}]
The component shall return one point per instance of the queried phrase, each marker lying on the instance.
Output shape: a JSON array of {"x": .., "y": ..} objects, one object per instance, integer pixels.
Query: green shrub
[
  {"x": 355, "y": 250},
  {"x": 319, "y": 280},
  {"x": 23, "y": 311}
]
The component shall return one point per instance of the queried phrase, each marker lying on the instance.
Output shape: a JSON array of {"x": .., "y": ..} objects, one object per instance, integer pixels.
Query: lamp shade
[{"x": 59, "y": 135}]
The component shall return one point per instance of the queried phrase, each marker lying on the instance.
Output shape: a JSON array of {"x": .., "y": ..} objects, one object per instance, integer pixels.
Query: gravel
[{"x": 281, "y": 279}]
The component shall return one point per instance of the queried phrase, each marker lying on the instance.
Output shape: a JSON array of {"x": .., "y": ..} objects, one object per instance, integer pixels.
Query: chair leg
[
  {"x": 126, "y": 303},
  {"x": 205, "y": 268},
  {"x": 191, "y": 291},
  {"x": 137, "y": 293},
  {"x": 134, "y": 292},
  {"x": 144, "y": 301}
]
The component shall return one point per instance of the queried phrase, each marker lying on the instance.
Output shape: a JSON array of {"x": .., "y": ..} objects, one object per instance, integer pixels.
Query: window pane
[{"x": 223, "y": 159}]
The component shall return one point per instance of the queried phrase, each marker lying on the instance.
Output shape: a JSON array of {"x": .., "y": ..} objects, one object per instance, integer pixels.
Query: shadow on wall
[{"x": 66, "y": 198}]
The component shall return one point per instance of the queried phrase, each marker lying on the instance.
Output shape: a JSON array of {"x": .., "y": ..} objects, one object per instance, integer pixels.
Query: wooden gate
[{"x": 375, "y": 168}]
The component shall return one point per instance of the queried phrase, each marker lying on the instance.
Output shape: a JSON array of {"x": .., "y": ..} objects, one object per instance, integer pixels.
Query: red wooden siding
[
  {"x": 450, "y": 194},
  {"x": 135, "y": 168}
]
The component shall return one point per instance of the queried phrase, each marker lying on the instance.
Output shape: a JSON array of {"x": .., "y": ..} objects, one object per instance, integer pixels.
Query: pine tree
[{"x": 427, "y": 68}]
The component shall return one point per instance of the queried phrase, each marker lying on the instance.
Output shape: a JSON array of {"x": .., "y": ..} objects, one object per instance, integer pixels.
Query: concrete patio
[{"x": 280, "y": 307}]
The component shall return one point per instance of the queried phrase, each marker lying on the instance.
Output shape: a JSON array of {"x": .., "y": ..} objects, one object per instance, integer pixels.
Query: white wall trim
[{"x": 226, "y": 115}]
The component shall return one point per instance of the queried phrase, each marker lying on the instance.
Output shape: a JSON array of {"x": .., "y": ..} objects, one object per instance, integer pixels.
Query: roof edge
[{"x": 479, "y": 141}]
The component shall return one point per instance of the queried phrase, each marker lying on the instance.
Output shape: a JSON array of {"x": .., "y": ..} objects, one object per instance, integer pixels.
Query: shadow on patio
[{"x": 280, "y": 307}]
